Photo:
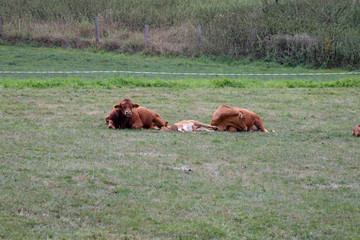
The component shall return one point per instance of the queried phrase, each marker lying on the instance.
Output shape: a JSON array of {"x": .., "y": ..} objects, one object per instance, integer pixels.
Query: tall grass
[
  {"x": 131, "y": 13},
  {"x": 323, "y": 33},
  {"x": 114, "y": 83}
]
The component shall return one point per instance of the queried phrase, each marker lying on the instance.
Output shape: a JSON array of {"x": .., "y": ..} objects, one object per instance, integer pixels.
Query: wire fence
[
  {"x": 180, "y": 73},
  {"x": 106, "y": 74}
]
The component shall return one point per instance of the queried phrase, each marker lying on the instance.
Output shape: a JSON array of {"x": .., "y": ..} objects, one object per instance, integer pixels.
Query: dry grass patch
[{"x": 176, "y": 40}]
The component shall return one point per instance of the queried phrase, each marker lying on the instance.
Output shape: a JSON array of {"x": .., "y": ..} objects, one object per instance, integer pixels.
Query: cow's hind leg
[
  {"x": 159, "y": 123},
  {"x": 111, "y": 125},
  {"x": 260, "y": 125},
  {"x": 200, "y": 124},
  {"x": 204, "y": 129}
]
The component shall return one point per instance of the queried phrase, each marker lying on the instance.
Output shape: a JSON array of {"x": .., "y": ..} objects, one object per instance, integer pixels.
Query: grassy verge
[
  {"x": 64, "y": 175},
  {"x": 16, "y": 58},
  {"x": 185, "y": 83}
]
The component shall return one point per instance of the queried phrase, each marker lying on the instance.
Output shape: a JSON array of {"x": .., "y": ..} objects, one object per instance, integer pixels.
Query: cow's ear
[
  {"x": 241, "y": 115},
  {"x": 136, "y": 105},
  {"x": 117, "y": 106}
]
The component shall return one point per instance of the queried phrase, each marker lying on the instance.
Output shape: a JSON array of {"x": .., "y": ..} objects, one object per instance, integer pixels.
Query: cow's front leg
[
  {"x": 253, "y": 128},
  {"x": 136, "y": 126},
  {"x": 154, "y": 127},
  {"x": 232, "y": 129},
  {"x": 111, "y": 125}
]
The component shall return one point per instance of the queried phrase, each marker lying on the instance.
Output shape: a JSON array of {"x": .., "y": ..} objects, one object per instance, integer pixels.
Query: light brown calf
[{"x": 190, "y": 126}]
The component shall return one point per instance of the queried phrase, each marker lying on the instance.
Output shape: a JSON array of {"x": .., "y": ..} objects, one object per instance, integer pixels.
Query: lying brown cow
[
  {"x": 190, "y": 126},
  {"x": 356, "y": 131},
  {"x": 128, "y": 115},
  {"x": 236, "y": 119}
]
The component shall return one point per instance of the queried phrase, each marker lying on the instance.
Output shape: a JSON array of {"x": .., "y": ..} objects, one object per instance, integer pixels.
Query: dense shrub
[
  {"x": 221, "y": 83},
  {"x": 181, "y": 84},
  {"x": 322, "y": 33}
]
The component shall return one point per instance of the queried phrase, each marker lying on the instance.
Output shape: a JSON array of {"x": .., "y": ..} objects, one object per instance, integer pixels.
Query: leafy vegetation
[
  {"x": 321, "y": 34},
  {"x": 16, "y": 58},
  {"x": 55, "y": 59},
  {"x": 186, "y": 83}
]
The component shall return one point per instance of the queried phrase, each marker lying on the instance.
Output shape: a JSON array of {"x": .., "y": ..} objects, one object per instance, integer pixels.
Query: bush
[
  {"x": 322, "y": 33},
  {"x": 221, "y": 83}
]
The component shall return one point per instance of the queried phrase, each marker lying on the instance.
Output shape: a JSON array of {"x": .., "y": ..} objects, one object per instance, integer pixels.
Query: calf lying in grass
[
  {"x": 128, "y": 115},
  {"x": 190, "y": 126}
]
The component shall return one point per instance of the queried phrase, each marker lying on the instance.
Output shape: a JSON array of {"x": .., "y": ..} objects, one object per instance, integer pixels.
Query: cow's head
[
  {"x": 242, "y": 122},
  {"x": 125, "y": 107}
]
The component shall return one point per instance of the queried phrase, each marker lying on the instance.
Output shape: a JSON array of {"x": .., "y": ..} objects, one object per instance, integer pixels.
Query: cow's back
[
  {"x": 221, "y": 114},
  {"x": 225, "y": 117},
  {"x": 149, "y": 118}
]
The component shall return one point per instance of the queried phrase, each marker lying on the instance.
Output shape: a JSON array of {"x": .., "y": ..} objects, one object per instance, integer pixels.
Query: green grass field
[
  {"x": 64, "y": 175},
  {"x": 17, "y": 58}
]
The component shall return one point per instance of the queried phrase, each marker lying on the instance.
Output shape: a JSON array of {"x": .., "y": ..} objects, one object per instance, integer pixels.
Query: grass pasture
[
  {"x": 64, "y": 175},
  {"x": 20, "y": 58}
]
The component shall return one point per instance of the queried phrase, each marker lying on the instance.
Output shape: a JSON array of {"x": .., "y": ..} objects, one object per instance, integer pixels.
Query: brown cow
[
  {"x": 356, "y": 131},
  {"x": 128, "y": 115},
  {"x": 190, "y": 126},
  {"x": 236, "y": 119}
]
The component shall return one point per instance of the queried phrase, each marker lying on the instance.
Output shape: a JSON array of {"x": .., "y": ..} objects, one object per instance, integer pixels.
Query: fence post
[
  {"x": 1, "y": 22},
  {"x": 19, "y": 25},
  {"x": 199, "y": 38},
  {"x": 146, "y": 35},
  {"x": 97, "y": 29}
]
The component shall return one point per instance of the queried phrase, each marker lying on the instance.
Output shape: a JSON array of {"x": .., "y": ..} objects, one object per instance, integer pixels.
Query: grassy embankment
[
  {"x": 64, "y": 175},
  {"x": 323, "y": 33},
  {"x": 44, "y": 59}
]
